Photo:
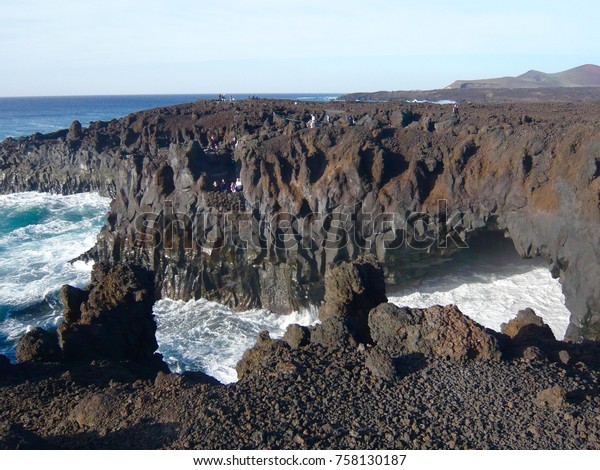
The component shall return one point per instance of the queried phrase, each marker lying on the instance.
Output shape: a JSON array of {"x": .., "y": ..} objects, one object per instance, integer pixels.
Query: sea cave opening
[{"x": 490, "y": 283}]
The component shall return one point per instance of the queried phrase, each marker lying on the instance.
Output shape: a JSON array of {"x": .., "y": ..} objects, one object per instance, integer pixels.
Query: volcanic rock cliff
[{"x": 408, "y": 183}]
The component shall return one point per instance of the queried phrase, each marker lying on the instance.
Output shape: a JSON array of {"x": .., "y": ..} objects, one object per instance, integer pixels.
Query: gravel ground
[{"x": 311, "y": 397}]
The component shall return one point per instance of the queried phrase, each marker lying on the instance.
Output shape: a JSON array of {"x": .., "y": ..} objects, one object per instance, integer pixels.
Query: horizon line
[{"x": 175, "y": 94}]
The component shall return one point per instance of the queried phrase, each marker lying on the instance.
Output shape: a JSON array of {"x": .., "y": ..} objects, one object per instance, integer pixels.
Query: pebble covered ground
[{"x": 311, "y": 397}]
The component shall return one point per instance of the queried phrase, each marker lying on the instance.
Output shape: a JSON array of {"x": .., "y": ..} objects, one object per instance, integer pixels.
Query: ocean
[
  {"x": 28, "y": 115},
  {"x": 41, "y": 233}
]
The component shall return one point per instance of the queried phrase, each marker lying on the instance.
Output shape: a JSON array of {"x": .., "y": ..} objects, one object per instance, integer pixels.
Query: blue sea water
[
  {"x": 39, "y": 235},
  {"x": 26, "y": 116}
]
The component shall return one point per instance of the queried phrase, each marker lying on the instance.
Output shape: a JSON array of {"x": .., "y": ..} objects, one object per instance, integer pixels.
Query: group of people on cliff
[
  {"x": 313, "y": 122},
  {"x": 224, "y": 186}
]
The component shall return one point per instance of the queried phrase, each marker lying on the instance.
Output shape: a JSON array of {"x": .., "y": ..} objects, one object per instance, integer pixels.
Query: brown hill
[{"x": 583, "y": 76}]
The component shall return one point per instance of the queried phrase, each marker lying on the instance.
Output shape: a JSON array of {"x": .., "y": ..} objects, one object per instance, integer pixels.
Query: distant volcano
[{"x": 583, "y": 76}]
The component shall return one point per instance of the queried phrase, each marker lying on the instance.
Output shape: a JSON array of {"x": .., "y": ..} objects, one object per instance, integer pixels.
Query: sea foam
[
  {"x": 39, "y": 234},
  {"x": 207, "y": 336}
]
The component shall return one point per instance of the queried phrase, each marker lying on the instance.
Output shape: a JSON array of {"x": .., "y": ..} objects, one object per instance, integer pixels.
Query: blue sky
[{"x": 68, "y": 47}]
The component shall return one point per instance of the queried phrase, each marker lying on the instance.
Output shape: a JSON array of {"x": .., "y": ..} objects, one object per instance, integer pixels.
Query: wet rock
[
  {"x": 38, "y": 345},
  {"x": 436, "y": 331},
  {"x": 296, "y": 336}
]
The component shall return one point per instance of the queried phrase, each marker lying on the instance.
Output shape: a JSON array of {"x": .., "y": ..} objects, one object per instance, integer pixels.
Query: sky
[{"x": 83, "y": 47}]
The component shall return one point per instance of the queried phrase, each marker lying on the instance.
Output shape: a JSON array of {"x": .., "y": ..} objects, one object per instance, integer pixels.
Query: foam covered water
[
  {"x": 491, "y": 286},
  {"x": 39, "y": 235},
  {"x": 207, "y": 336}
]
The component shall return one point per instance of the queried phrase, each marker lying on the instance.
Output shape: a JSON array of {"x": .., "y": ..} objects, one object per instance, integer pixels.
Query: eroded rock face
[
  {"x": 351, "y": 291},
  {"x": 436, "y": 331},
  {"x": 408, "y": 183},
  {"x": 115, "y": 321}
]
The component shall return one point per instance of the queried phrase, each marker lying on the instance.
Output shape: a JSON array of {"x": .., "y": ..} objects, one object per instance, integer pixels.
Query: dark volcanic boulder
[
  {"x": 333, "y": 333},
  {"x": 75, "y": 131},
  {"x": 351, "y": 291},
  {"x": 116, "y": 321},
  {"x": 528, "y": 328},
  {"x": 97, "y": 410},
  {"x": 436, "y": 331},
  {"x": 296, "y": 336},
  {"x": 381, "y": 364},
  {"x": 38, "y": 345},
  {"x": 72, "y": 298},
  {"x": 267, "y": 358}
]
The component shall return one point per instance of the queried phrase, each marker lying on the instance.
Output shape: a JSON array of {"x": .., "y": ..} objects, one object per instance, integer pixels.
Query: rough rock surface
[
  {"x": 351, "y": 291},
  {"x": 554, "y": 397},
  {"x": 38, "y": 345},
  {"x": 15, "y": 437},
  {"x": 312, "y": 398},
  {"x": 436, "y": 331},
  {"x": 407, "y": 183},
  {"x": 297, "y": 336},
  {"x": 528, "y": 328},
  {"x": 114, "y": 319},
  {"x": 380, "y": 364}
]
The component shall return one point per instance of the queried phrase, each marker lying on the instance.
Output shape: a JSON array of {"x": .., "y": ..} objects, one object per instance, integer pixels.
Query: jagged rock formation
[
  {"x": 111, "y": 319},
  {"x": 527, "y": 328},
  {"x": 436, "y": 331},
  {"x": 397, "y": 390},
  {"x": 406, "y": 183},
  {"x": 352, "y": 290}
]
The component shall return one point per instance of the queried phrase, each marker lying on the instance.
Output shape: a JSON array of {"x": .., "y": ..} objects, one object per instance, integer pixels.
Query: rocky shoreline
[
  {"x": 330, "y": 212},
  {"x": 370, "y": 376},
  {"x": 409, "y": 183}
]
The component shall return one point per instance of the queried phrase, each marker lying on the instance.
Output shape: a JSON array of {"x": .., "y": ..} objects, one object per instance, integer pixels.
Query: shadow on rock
[
  {"x": 141, "y": 436},
  {"x": 409, "y": 364}
]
